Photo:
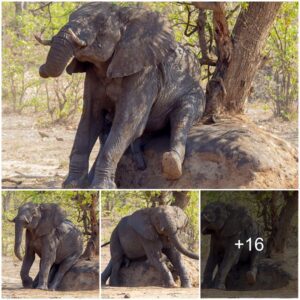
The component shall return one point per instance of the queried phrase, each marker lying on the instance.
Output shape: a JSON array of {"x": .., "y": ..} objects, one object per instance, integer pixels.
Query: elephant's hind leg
[
  {"x": 117, "y": 255},
  {"x": 182, "y": 119},
  {"x": 61, "y": 271},
  {"x": 106, "y": 273}
]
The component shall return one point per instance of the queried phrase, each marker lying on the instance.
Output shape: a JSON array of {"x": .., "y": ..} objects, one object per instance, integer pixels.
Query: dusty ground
[
  {"x": 35, "y": 156},
  {"x": 142, "y": 292},
  {"x": 38, "y": 157},
  {"x": 12, "y": 285}
]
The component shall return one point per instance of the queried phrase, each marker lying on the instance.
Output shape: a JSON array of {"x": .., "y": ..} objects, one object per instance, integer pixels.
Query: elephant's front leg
[
  {"x": 48, "y": 254},
  {"x": 231, "y": 257},
  {"x": 26, "y": 265},
  {"x": 210, "y": 266},
  {"x": 157, "y": 260},
  {"x": 131, "y": 116},
  {"x": 176, "y": 260},
  {"x": 182, "y": 119},
  {"x": 252, "y": 273},
  {"x": 88, "y": 131}
]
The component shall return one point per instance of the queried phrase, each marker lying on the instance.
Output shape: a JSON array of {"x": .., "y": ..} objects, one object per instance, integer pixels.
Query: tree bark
[
  {"x": 281, "y": 229},
  {"x": 239, "y": 54},
  {"x": 92, "y": 247},
  {"x": 181, "y": 199}
]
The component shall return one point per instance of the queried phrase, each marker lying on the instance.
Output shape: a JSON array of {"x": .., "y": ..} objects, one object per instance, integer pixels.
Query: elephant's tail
[
  {"x": 105, "y": 244},
  {"x": 106, "y": 273}
]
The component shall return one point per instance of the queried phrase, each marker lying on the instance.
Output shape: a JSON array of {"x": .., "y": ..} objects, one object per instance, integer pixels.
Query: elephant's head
[
  {"x": 39, "y": 219},
  {"x": 224, "y": 219},
  {"x": 124, "y": 40},
  {"x": 163, "y": 220}
]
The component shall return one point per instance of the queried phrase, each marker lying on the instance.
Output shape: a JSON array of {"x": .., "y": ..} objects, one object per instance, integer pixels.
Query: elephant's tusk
[
  {"x": 43, "y": 42},
  {"x": 76, "y": 39}
]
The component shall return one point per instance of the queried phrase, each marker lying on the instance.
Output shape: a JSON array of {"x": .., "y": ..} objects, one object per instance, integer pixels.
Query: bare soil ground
[
  {"x": 12, "y": 285},
  {"x": 142, "y": 292},
  {"x": 38, "y": 157}
]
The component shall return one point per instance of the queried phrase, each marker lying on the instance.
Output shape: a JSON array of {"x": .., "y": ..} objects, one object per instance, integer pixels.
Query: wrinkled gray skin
[
  {"x": 227, "y": 223},
  {"x": 52, "y": 237},
  {"x": 149, "y": 233},
  {"x": 135, "y": 72}
]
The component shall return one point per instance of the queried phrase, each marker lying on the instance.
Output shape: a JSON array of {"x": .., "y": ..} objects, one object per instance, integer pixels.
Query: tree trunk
[
  {"x": 181, "y": 199},
  {"x": 238, "y": 57},
  {"x": 281, "y": 229},
  {"x": 92, "y": 247}
]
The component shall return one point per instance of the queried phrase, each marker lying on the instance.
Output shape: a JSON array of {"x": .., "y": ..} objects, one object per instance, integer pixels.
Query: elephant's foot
[
  {"x": 73, "y": 182},
  {"x": 103, "y": 184},
  {"x": 206, "y": 285},
  {"x": 186, "y": 284},
  {"x": 219, "y": 286},
  {"x": 42, "y": 287},
  {"x": 27, "y": 283},
  {"x": 251, "y": 277},
  {"x": 172, "y": 166},
  {"x": 170, "y": 284},
  {"x": 52, "y": 287}
]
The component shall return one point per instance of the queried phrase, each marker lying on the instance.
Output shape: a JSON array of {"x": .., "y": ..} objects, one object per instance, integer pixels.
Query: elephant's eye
[{"x": 99, "y": 45}]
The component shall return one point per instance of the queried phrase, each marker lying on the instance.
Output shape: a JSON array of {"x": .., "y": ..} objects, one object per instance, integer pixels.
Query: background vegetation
[
  {"x": 76, "y": 205},
  {"x": 118, "y": 204},
  {"x": 58, "y": 100}
]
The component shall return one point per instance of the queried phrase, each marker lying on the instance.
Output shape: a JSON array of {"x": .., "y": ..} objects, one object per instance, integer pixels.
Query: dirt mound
[
  {"x": 140, "y": 273},
  {"x": 233, "y": 153},
  {"x": 84, "y": 275},
  {"x": 12, "y": 284},
  {"x": 270, "y": 276}
]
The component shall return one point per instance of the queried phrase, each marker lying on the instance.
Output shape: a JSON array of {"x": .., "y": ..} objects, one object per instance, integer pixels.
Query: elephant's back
[
  {"x": 130, "y": 240},
  {"x": 70, "y": 241}
]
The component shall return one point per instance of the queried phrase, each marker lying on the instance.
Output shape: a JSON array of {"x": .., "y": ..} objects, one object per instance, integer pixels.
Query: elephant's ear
[
  {"x": 76, "y": 66},
  {"x": 147, "y": 39},
  {"x": 237, "y": 221},
  {"x": 141, "y": 223},
  {"x": 51, "y": 217}
]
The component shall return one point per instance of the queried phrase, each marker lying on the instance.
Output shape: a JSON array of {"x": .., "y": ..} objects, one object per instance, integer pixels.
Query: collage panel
[
  {"x": 249, "y": 244},
  {"x": 143, "y": 85},
  {"x": 50, "y": 244},
  {"x": 150, "y": 244}
]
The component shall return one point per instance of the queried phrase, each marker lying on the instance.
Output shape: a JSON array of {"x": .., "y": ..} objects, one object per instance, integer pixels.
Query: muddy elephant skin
[
  {"x": 138, "y": 75},
  {"x": 150, "y": 233},
  {"x": 227, "y": 224},
  {"x": 50, "y": 236}
]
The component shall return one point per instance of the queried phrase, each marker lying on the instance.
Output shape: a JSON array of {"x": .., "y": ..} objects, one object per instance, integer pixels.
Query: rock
[
  {"x": 233, "y": 153},
  {"x": 271, "y": 275},
  {"x": 140, "y": 273},
  {"x": 84, "y": 275},
  {"x": 127, "y": 296}
]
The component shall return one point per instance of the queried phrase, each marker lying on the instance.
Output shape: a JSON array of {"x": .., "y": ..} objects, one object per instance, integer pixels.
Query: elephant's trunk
[
  {"x": 174, "y": 239},
  {"x": 18, "y": 238},
  {"x": 60, "y": 53}
]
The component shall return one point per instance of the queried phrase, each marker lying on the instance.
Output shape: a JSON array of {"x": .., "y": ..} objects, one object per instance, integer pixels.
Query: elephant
[
  {"x": 228, "y": 224},
  {"x": 137, "y": 74},
  {"x": 152, "y": 234},
  {"x": 52, "y": 237}
]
